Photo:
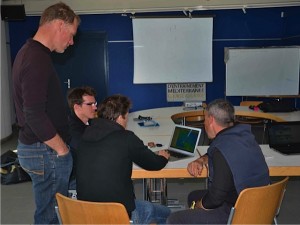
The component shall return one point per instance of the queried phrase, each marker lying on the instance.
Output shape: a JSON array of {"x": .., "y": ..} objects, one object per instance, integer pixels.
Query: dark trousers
[{"x": 200, "y": 216}]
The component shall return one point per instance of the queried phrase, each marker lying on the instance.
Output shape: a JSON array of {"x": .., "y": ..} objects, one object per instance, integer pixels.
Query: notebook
[
  {"x": 284, "y": 136},
  {"x": 183, "y": 142}
]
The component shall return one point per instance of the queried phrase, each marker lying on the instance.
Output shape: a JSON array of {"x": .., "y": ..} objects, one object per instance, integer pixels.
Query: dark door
[{"x": 84, "y": 63}]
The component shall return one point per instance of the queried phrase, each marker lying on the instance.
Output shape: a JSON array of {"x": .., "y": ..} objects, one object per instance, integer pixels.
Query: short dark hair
[
  {"x": 114, "y": 106},
  {"x": 59, "y": 11},
  {"x": 223, "y": 112},
  {"x": 75, "y": 95}
]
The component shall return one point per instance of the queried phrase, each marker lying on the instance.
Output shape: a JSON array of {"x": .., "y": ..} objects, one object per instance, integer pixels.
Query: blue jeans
[
  {"x": 146, "y": 212},
  {"x": 49, "y": 173}
]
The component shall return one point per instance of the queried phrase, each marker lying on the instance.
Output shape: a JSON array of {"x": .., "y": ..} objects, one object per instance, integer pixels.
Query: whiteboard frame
[
  {"x": 272, "y": 71},
  {"x": 172, "y": 50}
]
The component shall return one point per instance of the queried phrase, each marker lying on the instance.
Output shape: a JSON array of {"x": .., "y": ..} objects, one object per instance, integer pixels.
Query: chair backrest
[
  {"x": 248, "y": 119},
  {"x": 73, "y": 211},
  {"x": 248, "y": 103},
  {"x": 258, "y": 205}
]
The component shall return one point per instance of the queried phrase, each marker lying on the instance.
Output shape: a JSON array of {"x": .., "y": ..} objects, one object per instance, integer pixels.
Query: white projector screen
[
  {"x": 172, "y": 50},
  {"x": 262, "y": 71}
]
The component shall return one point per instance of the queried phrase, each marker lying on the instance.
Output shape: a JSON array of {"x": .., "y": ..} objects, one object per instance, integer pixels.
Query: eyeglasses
[{"x": 90, "y": 103}]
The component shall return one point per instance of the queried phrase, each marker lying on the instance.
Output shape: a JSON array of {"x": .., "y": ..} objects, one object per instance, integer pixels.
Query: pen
[{"x": 198, "y": 152}]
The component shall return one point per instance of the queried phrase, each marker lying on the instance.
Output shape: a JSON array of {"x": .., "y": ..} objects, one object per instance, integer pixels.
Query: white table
[{"x": 279, "y": 164}]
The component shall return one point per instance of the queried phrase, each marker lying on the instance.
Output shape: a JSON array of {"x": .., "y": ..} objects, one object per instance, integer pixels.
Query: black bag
[
  {"x": 276, "y": 106},
  {"x": 11, "y": 171}
]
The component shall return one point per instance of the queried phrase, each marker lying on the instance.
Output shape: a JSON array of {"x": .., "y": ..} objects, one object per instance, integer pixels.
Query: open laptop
[
  {"x": 284, "y": 137},
  {"x": 183, "y": 142}
]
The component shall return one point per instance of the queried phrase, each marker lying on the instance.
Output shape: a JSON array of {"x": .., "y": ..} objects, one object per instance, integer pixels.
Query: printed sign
[{"x": 182, "y": 92}]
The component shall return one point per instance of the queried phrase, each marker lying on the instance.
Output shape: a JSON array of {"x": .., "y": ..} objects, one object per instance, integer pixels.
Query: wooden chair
[
  {"x": 258, "y": 124},
  {"x": 73, "y": 211},
  {"x": 249, "y": 119},
  {"x": 258, "y": 205},
  {"x": 188, "y": 117},
  {"x": 248, "y": 103}
]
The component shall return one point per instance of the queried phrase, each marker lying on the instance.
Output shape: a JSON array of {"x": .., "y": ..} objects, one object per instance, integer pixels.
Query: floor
[{"x": 17, "y": 204}]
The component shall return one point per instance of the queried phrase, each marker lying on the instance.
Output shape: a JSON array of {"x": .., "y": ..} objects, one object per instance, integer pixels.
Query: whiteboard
[
  {"x": 171, "y": 50},
  {"x": 262, "y": 71}
]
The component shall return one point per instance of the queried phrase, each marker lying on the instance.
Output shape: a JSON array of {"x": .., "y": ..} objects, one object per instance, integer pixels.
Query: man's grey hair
[
  {"x": 59, "y": 11},
  {"x": 223, "y": 112}
]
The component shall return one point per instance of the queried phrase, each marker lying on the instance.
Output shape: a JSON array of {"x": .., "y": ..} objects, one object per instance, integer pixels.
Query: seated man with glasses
[{"x": 83, "y": 106}]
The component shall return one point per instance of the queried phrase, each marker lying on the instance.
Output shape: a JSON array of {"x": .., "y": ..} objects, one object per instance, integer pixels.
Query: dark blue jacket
[
  {"x": 77, "y": 128},
  {"x": 243, "y": 155}
]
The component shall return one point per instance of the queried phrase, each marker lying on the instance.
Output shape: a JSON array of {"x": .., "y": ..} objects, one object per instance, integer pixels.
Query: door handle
[{"x": 68, "y": 82}]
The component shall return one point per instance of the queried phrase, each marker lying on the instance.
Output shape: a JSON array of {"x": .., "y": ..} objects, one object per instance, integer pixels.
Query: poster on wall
[{"x": 183, "y": 92}]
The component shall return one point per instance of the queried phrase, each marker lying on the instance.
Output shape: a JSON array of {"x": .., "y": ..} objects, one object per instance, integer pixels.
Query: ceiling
[{"x": 35, "y": 7}]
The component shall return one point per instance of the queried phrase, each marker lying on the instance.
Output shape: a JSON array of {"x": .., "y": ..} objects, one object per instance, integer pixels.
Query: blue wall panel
[{"x": 232, "y": 28}]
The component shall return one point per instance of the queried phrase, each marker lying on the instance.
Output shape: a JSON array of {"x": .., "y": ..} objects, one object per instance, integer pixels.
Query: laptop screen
[
  {"x": 185, "y": 139},
  {"x": 285, "y": 136}
]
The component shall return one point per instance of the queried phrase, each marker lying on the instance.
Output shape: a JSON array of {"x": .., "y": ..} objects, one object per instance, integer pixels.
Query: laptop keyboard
[{"x": 176, "y": 154}]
